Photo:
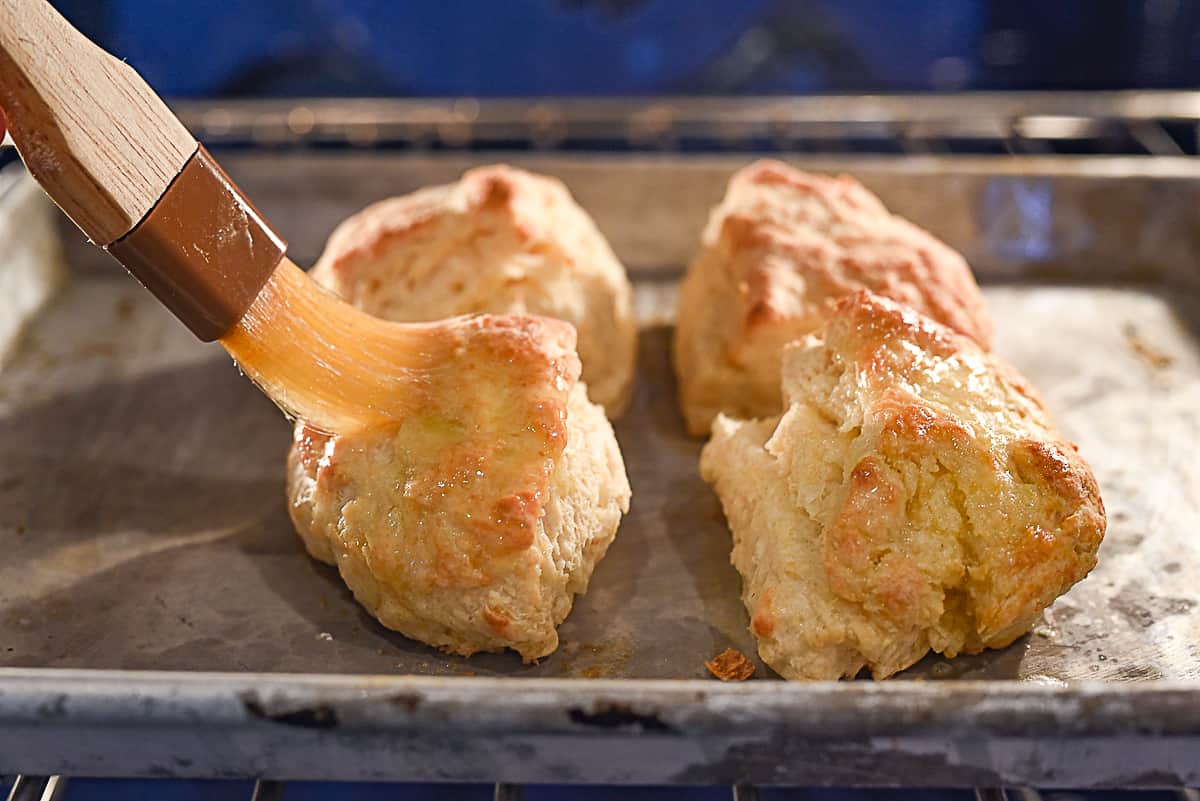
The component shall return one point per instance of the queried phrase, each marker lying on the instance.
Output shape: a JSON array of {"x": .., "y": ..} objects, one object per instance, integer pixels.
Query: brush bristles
[
  {"x": 342, "y": 370},
  {"x": 323, "y": 360}
]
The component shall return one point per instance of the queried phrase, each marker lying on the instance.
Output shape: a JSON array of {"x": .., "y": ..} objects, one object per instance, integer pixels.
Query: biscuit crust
[
  {"x": 778, "y": 253},
  {"x": 471, "y": 523},
  {"x": 500, "y": 240},
  {"x": 913, "y": 496}
]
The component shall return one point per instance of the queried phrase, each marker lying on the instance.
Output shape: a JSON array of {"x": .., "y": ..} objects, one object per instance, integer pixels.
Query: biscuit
[
  {"x": 778, "y": 252},
  {"x": 471, "y": 523},
  {"x": 913, "y": 496},
  {"x": 500, "y": 240}
]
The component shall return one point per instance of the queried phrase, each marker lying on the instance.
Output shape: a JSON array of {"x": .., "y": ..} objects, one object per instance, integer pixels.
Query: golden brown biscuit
[
  {"x": 778, "y": 252},
  {"x": 471, "y": 523},
  {"x": 500, "y": 240},
  {"x": 914, "y": 496}
]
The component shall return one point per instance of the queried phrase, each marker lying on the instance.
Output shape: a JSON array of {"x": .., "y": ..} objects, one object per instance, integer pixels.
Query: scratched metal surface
[{"x": 142, "y": 513}]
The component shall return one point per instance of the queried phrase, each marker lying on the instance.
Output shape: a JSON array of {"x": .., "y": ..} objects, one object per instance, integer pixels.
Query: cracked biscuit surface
[
  {"x": 777, "y": 254},
  {"x": 472, "y": 521},
  {"x": 913, "y": 496},
  {"x": 500, "y": 240}
]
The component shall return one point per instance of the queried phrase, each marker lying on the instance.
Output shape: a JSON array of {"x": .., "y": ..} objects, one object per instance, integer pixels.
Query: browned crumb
[
  {"x": 124, "y": 309},
  {"x": 593, "y": 672},
  {"x": 730, "y": 665},
  {"x": 1150, "y": 355}
]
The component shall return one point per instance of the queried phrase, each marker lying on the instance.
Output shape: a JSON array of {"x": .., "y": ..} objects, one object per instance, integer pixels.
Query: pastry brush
[{"x": 111, "y": 154}]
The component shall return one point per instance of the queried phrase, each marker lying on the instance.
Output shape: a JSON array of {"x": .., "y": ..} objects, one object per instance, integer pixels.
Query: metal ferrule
[{"x": 204, "y": 250}]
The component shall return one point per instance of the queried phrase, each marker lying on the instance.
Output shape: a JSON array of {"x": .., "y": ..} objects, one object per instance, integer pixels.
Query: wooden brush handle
[
  {"x": 93, "y": 134},
  {"x": 118, "y": 162}
]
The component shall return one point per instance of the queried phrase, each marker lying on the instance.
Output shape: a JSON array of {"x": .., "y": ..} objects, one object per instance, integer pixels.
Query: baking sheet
[{"x": 142, "y": 512}]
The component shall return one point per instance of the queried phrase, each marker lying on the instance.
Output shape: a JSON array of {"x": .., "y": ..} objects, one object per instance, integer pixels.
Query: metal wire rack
[
  {"x": 55, "y": 788},
  {"x": 1126, "y": 123}
]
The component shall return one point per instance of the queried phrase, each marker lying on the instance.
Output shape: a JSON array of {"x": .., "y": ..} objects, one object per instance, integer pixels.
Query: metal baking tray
[{"x": 158, "y": 615}]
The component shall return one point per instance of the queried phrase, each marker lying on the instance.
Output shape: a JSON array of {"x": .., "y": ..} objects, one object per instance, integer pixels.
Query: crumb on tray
[
  {"x": 1150, "y": 355},
  {"x": 730, "y": 665},
  {"x": 125, "y": 308}
]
